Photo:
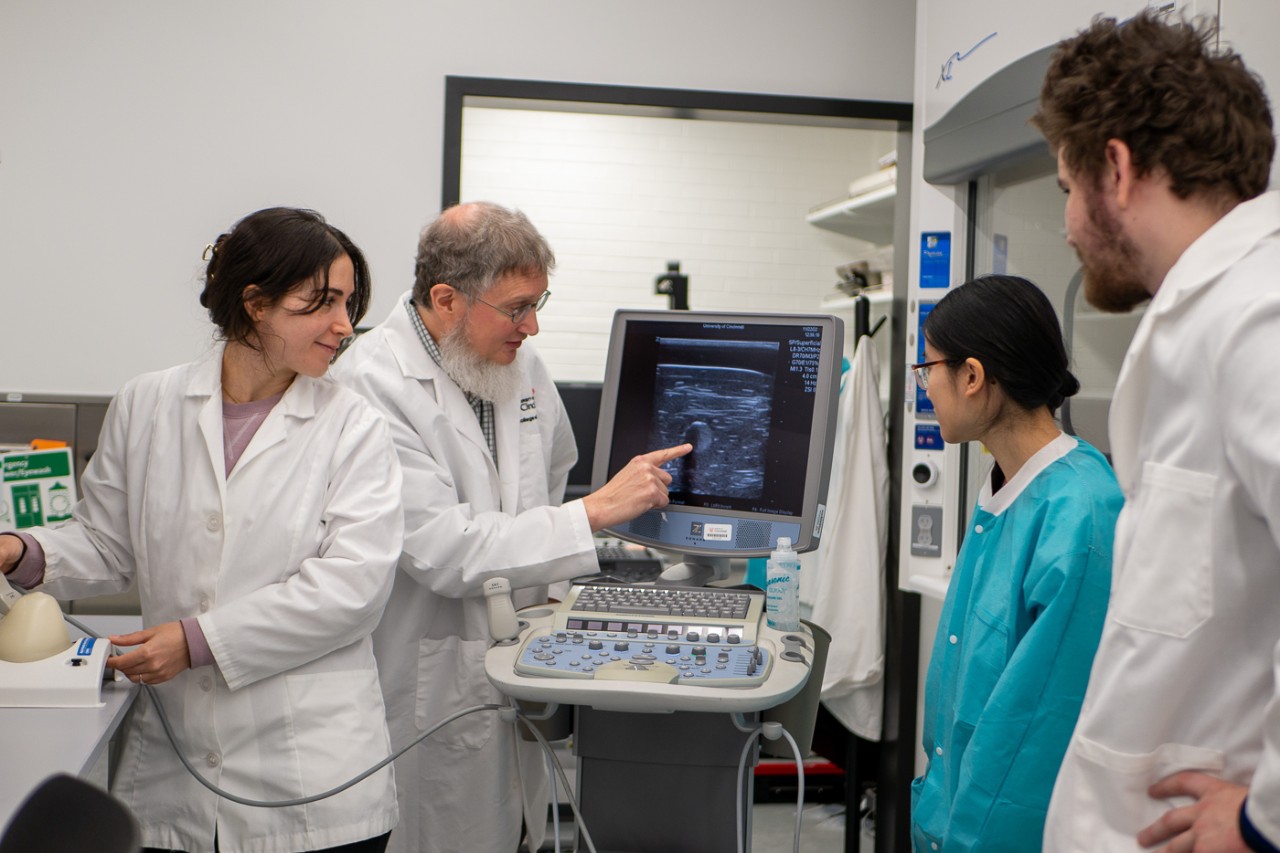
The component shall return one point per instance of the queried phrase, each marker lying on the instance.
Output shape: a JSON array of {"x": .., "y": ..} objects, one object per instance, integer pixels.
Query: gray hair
[{"x": 471, "y": 246}]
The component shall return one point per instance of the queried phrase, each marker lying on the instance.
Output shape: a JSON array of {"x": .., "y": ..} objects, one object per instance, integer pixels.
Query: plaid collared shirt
[{"x": 482, "y": 408}]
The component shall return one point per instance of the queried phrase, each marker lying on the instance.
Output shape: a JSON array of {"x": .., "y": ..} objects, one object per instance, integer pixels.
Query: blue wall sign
[{"x": 935, "y": 259}]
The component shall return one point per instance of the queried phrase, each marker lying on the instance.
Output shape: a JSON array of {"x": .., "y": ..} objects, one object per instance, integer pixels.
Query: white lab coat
[
  {"x": 287, "y": 564},
  {"x": 1185, "y": 676},
  {"x": 466, "y": 522},
  {"x": 849, "y": 587}
]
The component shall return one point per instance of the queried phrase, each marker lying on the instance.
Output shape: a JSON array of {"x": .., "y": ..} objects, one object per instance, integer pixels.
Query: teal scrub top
[{"x": 1011, "y": 658}]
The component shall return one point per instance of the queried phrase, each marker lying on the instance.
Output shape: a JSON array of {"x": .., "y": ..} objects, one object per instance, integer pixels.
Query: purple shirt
[{"x": 240, "y": 421}]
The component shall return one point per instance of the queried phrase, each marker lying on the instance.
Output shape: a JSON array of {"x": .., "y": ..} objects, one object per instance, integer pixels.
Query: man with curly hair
[{"x": 1164, "y": 147}]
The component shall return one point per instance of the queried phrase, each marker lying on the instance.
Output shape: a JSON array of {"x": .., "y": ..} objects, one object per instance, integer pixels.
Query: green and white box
[{"x": 39, "y": 488}]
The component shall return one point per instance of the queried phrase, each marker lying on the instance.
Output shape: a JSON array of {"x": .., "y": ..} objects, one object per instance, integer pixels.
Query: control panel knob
[
  {"x": 595, "y": 645},
  {"x": 621, "y": 647},
  {"x": 673, "y": 650}
]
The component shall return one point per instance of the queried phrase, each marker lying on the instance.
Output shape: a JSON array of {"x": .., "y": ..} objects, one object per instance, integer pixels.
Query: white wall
[
  {"x": 1250, "y": 28},
  {"x": 133, "y": 132},
  {"x": 617, "y": 196}
]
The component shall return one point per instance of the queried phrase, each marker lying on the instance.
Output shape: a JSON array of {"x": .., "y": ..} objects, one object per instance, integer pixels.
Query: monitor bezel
[{"x": 822, "y": 430}]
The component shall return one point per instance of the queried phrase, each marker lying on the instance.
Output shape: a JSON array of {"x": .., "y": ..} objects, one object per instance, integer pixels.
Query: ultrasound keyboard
[
  {"x": 729, "y": 615},
  {"x": 703, "y": 636}
]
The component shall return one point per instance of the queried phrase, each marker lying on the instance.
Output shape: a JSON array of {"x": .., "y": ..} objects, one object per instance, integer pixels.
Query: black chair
[{"x": 69, "y": 815}]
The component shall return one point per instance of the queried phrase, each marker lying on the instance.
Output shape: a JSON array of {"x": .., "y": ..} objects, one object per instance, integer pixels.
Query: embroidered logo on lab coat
[{"x": 528, "y": 408}]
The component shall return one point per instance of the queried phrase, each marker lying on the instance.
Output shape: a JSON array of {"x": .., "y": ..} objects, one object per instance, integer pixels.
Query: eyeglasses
[
  {"x": 921, "y": 371},
  {"x": 517, "y": 315}
]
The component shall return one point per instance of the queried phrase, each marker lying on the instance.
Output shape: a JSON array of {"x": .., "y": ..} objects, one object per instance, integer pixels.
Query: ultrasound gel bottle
[{"x": 782, "y": 587}]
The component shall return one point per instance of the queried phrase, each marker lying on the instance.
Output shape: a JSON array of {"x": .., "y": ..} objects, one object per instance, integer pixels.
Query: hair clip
[{"x": 207, "y": 254}]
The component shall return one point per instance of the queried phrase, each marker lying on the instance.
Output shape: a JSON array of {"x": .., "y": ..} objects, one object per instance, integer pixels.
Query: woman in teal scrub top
[{"x": 1026, "y": 602}]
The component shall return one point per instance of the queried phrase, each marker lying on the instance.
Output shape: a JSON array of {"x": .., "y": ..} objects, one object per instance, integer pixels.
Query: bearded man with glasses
[{"x": 486, "y": 449}]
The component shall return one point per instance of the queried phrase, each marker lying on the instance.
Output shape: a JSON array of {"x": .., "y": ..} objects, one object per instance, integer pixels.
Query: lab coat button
[
  {"x": 977, "y": 528},
  {"x": 212, "y": 759},
  {"x": 204, "y": 604},
  {"x": 938, "y": 750},
  {"x": 933, "y": 845},
  {"x": 206, "y": 683},
  {"x": 213, "y": 523},
  {"x": 953, "y": 639}
]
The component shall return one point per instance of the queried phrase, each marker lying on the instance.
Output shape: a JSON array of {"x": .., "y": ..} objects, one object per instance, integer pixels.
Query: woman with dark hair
[
  {"x": 1026, "y": 602},
  {"x": 256, "y": 504}
]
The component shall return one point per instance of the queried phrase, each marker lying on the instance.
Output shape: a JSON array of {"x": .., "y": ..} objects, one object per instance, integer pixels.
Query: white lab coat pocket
[
  {"x": 451, "y": 678},
  {"x": 534, "y": 488},
  {"x": 1165, "y": 583},
  {"x": 339, "y": 727},
  {"x": 1111, "y": 786}
]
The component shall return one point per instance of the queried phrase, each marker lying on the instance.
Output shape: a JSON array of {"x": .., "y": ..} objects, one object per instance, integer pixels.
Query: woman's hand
[
  {"x": 160, "y": 655},
  {"x": 11, "y": 549}
]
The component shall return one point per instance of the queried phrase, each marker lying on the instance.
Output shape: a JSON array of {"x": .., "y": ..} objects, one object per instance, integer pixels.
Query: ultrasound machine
[{"x": 670, "y": 680}]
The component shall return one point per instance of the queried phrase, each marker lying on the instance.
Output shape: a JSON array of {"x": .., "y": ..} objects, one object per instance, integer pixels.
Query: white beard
[{"x": 475, "y": 374}]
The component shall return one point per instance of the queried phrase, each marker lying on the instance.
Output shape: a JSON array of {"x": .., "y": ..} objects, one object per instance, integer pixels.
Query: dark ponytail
[{"x": 1009, "y": 325}]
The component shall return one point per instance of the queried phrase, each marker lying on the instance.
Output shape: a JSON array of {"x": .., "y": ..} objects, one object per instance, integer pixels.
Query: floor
[
  {"x": 821, "y": 829},
  {"x": 773, "y": 830}
]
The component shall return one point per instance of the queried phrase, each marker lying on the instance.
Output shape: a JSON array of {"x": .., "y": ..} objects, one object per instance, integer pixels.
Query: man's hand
[
  {"x": 1209, "y": 825},
  {"x": 636, "y": 489},
  {"x": 161, "y": 654}
]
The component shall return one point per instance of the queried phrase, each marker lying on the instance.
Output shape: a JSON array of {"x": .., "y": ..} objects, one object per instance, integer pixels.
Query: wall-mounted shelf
[{"x": 867, "y": 215}]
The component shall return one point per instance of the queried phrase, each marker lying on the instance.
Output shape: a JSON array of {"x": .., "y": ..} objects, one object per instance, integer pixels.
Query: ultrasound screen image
[
  {"x": 717, "y": 396},
  {"x": 741, "y": 393}
]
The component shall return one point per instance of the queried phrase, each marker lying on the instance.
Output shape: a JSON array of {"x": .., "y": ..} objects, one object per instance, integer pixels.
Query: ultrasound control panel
[
  {"x": 623, "y": 647},
  {"x": 630, "y": 655},
  {"x": 693, "y": 635}
]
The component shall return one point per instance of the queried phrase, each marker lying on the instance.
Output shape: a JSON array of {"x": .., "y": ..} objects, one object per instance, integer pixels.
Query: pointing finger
[{"x": 659, "y": 457}]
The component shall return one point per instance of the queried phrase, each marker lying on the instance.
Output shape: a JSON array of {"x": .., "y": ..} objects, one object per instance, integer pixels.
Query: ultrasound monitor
[{"x": 755, "y": 394}]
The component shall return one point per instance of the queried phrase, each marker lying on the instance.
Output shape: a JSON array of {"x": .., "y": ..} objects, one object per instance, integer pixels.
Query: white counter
[{"x": 38, "y": 742}]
